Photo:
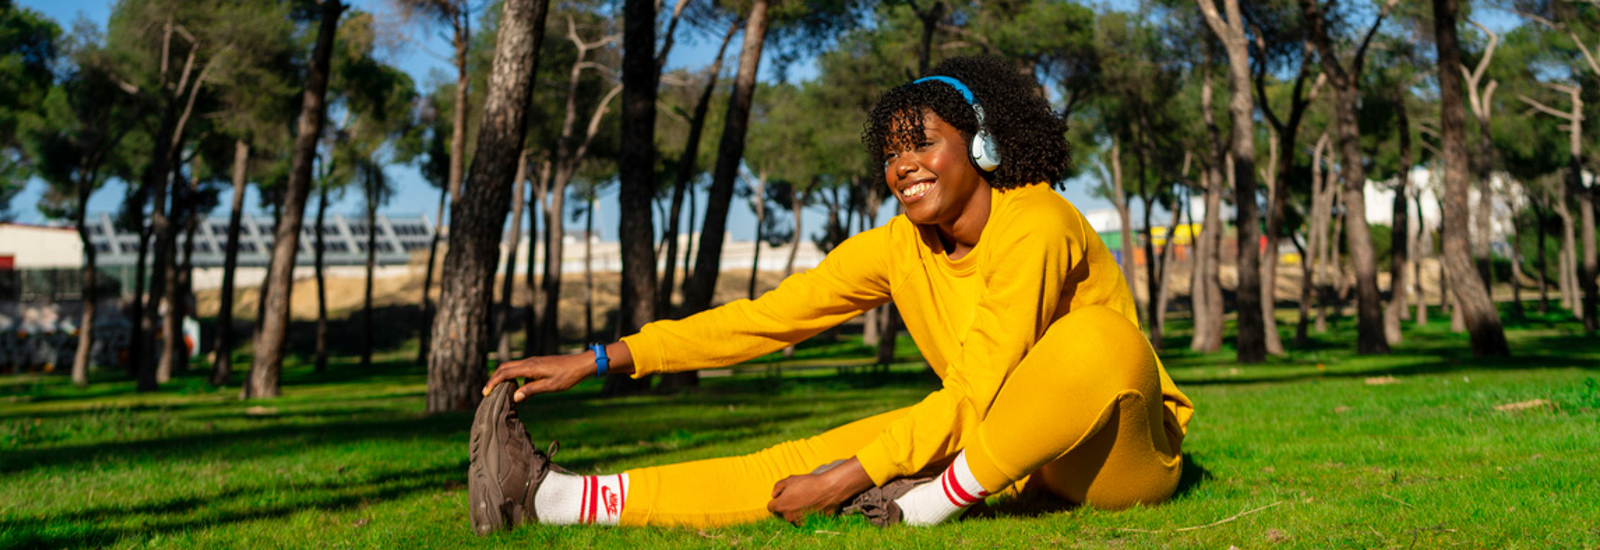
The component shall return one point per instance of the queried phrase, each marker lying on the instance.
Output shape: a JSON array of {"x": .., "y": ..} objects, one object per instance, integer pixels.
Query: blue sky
[{"x": 420, "y": 53}]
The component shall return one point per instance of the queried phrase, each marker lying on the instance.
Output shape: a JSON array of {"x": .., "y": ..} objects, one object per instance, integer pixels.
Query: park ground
[{"x": 1424, "y": 448}]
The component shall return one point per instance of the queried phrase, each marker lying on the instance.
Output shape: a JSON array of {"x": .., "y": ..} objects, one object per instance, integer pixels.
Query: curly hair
[{"x": 1030, "y": 136}]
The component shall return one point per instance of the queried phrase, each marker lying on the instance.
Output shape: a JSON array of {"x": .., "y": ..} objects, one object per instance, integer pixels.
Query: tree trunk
[
  {"x": 1569, "y": 259},
  {"x": 1515, "y": 239},
  {"x": 1544, "y": 283},
  {"x": 461, "y": 336},
  {"x": 1400, "y": 236},
  {"x": 685, "y": 178},
  {"x": 1208, "y": 323},
  {"x": 462, "y": 41},
  {"x": 139, "y": 333},
  {"x": 80, "y": 359},
  {"x": 172, "y": 348},
  {"x": 367, "y": 332},
  {"x": 1162, "y": 285},
  {"x": 534, "y": 311},
  {"x": 636, "y": 231},
  {"x": 1301, "y": 337},
  {"x": 554, "y": 251},
  {"x": 1424, "y": 247},
  {"x": 588, "y": 272},
  {"x": 425, "y": 332},
  {"x": 700, "y": 288},
  {"x": 1591, "y": 257},
  {"x": 508, "y": 289},
  {"x": 274, "y": 332},
  {"x": 1119, "y": 199},
  {"x": 1251, "y": 336},
  {"x": 322, "y": 287},
  {"x": 758, "y": 203},
  {"x": 183, "y": 296},
  {"x": 798, "y": 200},
  {"x": 1369, "y": 306},
  {"x": 1152, "y": 320},
  {"x": 157, "y": 179},
  {"x": 1483, "y": 322},
  {"x": 1321, "y": 196},
  {"x": 1346, "y": 88},
  {"x": 222, "y": 355}
]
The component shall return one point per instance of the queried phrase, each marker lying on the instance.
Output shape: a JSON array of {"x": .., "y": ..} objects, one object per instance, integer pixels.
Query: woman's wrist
[{"x": 619, "y": 359}]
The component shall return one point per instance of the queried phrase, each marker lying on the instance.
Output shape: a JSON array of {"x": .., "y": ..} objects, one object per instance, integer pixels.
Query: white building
[{"x": 39, "y": 247}]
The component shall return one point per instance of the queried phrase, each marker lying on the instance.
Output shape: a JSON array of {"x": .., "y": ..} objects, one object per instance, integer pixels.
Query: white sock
[
  {"x": 565, "y": 499},
  {"x": 954, "y": 491}
]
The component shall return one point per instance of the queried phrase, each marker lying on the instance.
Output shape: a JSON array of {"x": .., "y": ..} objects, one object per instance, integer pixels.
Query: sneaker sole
[{"x": 483, "y": 472}]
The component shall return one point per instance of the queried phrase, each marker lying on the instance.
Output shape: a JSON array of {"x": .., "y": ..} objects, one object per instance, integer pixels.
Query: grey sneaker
[
  {"x": 877, "y": 503},
  {"x": 505, "y": 470}
]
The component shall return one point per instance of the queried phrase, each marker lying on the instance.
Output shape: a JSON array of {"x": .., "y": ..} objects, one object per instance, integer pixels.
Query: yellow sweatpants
[{"x": 1081, "y": 416}]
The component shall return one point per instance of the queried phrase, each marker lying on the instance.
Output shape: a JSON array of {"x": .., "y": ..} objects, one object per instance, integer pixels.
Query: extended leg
[{"x": 730, "y": 490}]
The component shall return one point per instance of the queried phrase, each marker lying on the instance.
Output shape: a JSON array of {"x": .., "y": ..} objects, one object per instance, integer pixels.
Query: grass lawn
[{"x": 1424, "y": 448}]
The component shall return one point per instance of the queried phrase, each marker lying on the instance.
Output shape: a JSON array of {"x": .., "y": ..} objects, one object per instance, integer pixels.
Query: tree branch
[
  {"x": 1546, "y": 109},
  {"x": 1488, "y": 53},
  {"x": 1360, "y": 59}
]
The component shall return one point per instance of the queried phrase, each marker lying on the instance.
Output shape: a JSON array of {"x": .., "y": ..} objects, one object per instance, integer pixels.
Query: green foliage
[{"x": 28, "y": 48}]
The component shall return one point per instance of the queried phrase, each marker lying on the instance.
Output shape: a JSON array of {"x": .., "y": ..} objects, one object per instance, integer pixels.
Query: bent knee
[
  {"x": 1097, "y": 325},
  {"x": 1098, "y": 343}
]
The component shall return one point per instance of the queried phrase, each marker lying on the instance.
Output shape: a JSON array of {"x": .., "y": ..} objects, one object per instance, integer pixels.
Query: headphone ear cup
[{"x": 984, "y": 153}]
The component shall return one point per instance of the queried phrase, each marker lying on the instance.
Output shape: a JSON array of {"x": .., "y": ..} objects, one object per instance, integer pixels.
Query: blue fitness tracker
[{"x": 601, "y": 362}]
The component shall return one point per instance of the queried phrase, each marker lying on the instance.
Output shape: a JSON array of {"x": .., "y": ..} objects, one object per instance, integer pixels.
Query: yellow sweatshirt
[{"x": 973, "y": 318}]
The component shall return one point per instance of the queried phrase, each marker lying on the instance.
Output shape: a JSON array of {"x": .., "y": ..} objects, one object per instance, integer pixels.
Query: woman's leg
[
  {"x": 729, "y": 490},
  {"x": 1083, "y": 414}
]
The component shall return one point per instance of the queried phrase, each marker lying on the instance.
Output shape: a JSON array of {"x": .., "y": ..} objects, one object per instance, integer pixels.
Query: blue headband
[{"x": 965, "y": 92}]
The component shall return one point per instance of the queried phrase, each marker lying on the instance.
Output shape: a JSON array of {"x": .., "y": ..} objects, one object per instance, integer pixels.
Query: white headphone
[{"x": 985, "y": 152}]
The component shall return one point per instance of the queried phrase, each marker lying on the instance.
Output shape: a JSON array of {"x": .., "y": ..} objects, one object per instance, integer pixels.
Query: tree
[
  {"x": 699, "y": 288},
  {"x": 272, "y": 334},
  {"x": 685, "y": 173},
  {"x": 456, "y": 369},
  {"x": 256, "y": 97},
  {"x": 28, "y": 47},
  {"x": 640, "y": 75},
  {"x": 376, "y": 100},
  {"x": 1483, "y": 321},
  {"x": 1570, "y": 20},
  {"x": 1251, "y": 337},
  {"x": 1280, "y": 39},
  {"x": 71, "y": 142},
  {"x": 458, "y": 14},
  {"x": 1345, "y": 79},
  {"x": 570, "y": 148}
]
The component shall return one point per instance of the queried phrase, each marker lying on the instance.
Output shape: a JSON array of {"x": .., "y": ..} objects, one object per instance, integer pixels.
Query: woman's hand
[
  {"x": 545, "y": 374},
  {"x": 794, "y": 496}
]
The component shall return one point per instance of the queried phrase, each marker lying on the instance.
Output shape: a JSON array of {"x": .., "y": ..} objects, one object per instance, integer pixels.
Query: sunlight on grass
[{"x": 1424, "y": 448}]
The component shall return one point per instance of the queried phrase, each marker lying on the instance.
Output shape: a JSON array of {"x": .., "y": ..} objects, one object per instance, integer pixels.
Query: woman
[{"x": 1010, "y": 295}]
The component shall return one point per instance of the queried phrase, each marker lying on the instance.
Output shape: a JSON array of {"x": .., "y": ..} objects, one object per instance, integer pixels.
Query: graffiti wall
[{"x": 42, "y": 337}]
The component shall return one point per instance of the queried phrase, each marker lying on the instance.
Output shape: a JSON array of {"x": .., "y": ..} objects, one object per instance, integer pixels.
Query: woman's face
[{"x": 934, "y": 178}]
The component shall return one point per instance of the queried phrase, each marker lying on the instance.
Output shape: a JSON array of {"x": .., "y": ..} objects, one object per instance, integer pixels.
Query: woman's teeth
[{"x": 916, "y": 189}]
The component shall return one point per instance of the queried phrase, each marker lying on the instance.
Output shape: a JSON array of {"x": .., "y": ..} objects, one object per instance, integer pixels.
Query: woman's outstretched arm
[{"x": 554, "y": 373}]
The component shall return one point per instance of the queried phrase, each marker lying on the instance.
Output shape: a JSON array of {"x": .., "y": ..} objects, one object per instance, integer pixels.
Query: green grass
[{"x": 1320, "y": 455}]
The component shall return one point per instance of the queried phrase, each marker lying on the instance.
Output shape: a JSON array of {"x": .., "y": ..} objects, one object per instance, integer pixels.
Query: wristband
[{"x": 601, "y": 362}]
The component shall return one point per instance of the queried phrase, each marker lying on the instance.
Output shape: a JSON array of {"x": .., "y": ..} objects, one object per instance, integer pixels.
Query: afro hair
[{"x": 1030, "y": 136}]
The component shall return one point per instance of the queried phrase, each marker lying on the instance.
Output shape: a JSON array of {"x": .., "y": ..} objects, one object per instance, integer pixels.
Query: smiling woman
[{"x": 1048, "y": 385}]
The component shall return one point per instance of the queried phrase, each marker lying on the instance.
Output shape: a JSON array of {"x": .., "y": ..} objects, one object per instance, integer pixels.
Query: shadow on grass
[
  {"x": 85, "y": 527},
  {"x": 630, "y": 422},
  {"x": 1035, "y": 500}
]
